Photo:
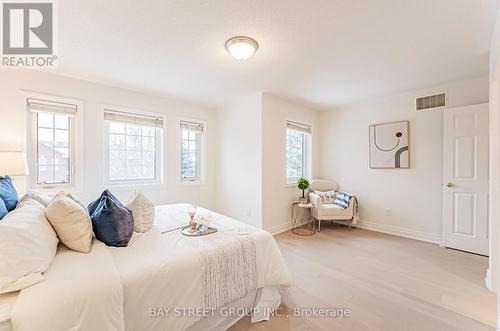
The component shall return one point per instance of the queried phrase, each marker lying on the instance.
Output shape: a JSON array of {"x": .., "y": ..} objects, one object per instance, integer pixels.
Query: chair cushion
[
  {"x": 71, "y": 222},
  {"x": 334, "y": 210},
  {"x": 8, "y": 193},
  {"x": 113, "y": 224}
]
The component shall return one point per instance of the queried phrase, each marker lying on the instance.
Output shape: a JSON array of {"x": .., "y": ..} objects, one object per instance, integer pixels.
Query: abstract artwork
[{"x": 389, "y": 145}]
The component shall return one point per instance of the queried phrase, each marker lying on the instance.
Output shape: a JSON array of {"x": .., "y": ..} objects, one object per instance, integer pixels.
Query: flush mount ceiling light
[{"x": 241, "y": 48}]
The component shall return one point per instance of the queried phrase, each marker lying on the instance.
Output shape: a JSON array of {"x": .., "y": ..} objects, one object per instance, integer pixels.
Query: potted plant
[{"x": 303, "y": 184}]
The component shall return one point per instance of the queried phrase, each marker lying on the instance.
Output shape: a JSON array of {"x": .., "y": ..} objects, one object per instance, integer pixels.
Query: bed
[
  {"x": 161, "y": 280},
  {"x": 7, "y": 302}
]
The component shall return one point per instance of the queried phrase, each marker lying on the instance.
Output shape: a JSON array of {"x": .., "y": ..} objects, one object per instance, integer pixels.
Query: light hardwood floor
[{"x": 388, "y": 282}]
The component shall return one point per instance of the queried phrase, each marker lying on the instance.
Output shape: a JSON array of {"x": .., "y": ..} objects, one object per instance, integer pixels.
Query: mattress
[{"x": 7, "y": 302}]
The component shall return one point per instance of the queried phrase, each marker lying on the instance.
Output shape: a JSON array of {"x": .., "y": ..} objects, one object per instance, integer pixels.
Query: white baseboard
[
  {"x": 490, "y": 284},
  {"x": 389, "y": 229},
  {"x": 279, "y": 228},
  {"x": 397, "y": 231}
]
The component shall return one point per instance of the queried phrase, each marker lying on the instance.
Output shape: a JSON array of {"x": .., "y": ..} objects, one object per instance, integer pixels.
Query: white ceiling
[{"x": 324, "y": 53}]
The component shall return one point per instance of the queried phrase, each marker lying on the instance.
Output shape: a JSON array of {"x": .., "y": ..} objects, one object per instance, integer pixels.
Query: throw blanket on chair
[
  {"x": 342, "y": 199},
  {"x": 355, "y": 218}
]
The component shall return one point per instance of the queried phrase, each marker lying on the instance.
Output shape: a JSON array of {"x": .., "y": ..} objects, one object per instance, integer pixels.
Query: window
[
  {"x": 52, "y": 142},
  {"x": 297, "y": 148},
  {"x": 133, "y": 148},
  {"x": 191, "y": 151}
]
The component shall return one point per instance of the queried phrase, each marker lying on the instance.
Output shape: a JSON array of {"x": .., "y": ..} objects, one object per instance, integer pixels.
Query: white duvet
[{"x": 153, "y": 284}]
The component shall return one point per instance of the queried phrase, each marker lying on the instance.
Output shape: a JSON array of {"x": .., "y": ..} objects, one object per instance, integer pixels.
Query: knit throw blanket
[{"x": 230, "y": 272}]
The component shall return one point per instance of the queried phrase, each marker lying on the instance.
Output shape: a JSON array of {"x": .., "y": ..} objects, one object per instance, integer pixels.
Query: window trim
[
  {"x": 202, "y": 180},
  {"x": 76, "y": 146},
  {"x": 307, "y": 152},
  {"x": 160, "y": 150}
]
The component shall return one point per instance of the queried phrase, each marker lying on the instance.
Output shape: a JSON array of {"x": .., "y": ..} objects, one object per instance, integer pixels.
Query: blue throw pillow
[
  {"x": 8, "y": 193},
  {"x": 112, "y": 223},
  {"x": 92, "y": 207},
  {"x": 3, "y": 209}
]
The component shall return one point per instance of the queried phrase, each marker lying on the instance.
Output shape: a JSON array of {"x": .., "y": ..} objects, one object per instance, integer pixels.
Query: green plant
[{"x": 303, "y": 184}]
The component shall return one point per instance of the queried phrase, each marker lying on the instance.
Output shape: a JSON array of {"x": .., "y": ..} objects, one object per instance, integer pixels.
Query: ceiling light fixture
[{"x": 241, "y": 48}]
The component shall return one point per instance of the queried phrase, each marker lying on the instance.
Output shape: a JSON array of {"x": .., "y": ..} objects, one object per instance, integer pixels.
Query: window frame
[
  {"x": 202, "y": 165},
  {"x": 159, "y": 149},
  {"x": 75, "y": 148},
  {"x": 307, "y": 153}
]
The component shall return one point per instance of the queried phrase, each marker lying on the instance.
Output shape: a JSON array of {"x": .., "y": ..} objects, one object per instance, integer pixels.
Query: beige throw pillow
[
  {"x": 71, "y": 222},
  {"x": 71, "y": 196},
  {"x": 143, "y": 211}
]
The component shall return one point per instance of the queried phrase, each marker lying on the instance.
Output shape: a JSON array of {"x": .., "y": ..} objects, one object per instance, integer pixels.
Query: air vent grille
[{"x": 430, "y": 102}]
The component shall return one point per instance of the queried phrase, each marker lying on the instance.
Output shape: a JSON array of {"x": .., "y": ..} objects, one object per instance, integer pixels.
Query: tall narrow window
[
  {"x": 52, "y": 139},
  {"x": 297, "y": 143},
  {"x": 133, "y": 147},
  {"x": 191, "y": 151}
]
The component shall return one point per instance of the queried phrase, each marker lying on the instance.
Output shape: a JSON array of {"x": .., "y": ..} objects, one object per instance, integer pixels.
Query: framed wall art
[{"x": 390, "y": 145}]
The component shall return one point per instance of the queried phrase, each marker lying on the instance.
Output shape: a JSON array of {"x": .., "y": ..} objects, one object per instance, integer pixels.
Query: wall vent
[{"x": 431, "y": 102}]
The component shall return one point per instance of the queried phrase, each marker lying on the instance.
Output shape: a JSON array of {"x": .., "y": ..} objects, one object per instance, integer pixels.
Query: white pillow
[
  {"x": 40, "y": 197},
  {"x": 71, "y": 222},
  {"x": 327, "y": 196},
  {"x": 28, "y": 245},
  {"x": 143, "y": 211}
]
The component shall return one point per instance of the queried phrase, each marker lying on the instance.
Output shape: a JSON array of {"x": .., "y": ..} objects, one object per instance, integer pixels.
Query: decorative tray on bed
[{"x": 187, "y": 231}]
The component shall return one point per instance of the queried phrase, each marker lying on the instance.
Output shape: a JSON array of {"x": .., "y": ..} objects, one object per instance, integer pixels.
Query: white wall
[
  {"x": 493, "y": 278},
  {"x": 413, "y": 195},
  {"x": 494, "y": 189},
  {"x": 276, "y": 196},
  {"x": 13, "y": 131},
  {"x": 239, "y": 155}
]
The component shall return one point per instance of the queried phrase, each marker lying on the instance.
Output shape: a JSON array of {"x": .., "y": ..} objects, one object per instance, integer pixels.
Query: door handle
[{"x": 450, "y": 185}]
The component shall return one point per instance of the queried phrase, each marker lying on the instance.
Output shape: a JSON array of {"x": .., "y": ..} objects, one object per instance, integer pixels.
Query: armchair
[{"x": 328, "y": 211}]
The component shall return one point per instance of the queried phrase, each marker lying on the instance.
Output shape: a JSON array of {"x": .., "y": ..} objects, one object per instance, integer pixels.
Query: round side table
[{"x": 302, "y": 223}]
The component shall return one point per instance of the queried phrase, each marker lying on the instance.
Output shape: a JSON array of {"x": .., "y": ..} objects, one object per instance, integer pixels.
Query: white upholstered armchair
[{"x": 328, "y": 211}]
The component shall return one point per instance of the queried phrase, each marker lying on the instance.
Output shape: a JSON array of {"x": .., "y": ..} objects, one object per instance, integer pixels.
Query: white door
[{"x": 465, "y": 178}]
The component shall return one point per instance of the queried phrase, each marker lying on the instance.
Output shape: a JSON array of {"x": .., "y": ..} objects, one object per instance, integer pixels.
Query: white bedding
[
  {"x": 81, "y": 292},
  {"x": 117, "y": 288},
  {"x": 7, "y": 302}
]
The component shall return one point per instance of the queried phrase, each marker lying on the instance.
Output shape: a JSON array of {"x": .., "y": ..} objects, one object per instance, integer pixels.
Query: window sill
[
  {"x": 54, "y": 190},
  {"x": 134, "y": 186},
  {"x": 192, "y": 183}
]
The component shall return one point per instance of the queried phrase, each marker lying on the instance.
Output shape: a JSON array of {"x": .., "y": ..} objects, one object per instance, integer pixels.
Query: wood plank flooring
[{"x": 387, "y": 282}]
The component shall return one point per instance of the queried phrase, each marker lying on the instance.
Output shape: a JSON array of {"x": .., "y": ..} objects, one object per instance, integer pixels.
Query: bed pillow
[
  {"x": 93, "y": 205},
  {"x": 3, "y": 209},
  {"x": 72, "y": 197},
  {"x": 42, "y": 198},
  {"x": 28, "y": 245},
  {"x": 8, "y": 193},
  {"x": 143, "y": 211},
  {"x": 71, "y": 222},
  {"x": 113, "y": 224}
]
